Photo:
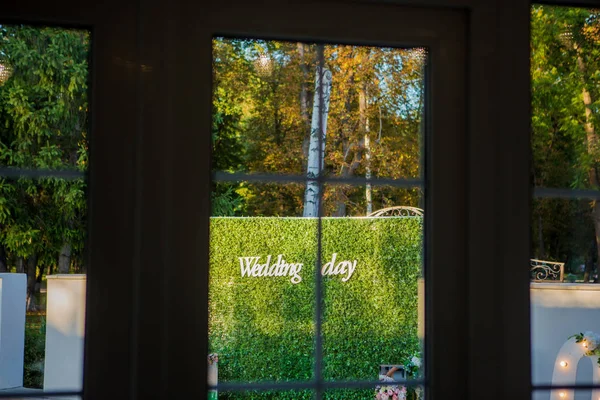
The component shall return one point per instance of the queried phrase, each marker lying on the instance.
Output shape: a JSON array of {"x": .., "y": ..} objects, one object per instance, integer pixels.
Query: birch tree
[{"x": 318, "y": 133}]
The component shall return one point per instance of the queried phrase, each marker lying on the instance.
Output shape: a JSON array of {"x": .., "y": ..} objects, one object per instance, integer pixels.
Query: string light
[
  {"x": 5, "y": 73},
  {"x": 563, "y": 394},
  {"x": 564, "y": 364}
]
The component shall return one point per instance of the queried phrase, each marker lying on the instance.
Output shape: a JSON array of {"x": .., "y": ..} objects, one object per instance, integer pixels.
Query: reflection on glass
[
  {"x": 266, "y": 108},
  {"x": 44, "y": 114}
]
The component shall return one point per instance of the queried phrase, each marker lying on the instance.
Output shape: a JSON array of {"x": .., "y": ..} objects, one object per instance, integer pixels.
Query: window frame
[
  {"x": 139, "y": 349},
  {"x": 443, "y": 31}
]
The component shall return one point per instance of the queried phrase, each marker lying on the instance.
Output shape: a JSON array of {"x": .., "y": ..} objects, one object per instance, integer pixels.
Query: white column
[
  {"x": 65, "y": 320},
  {"x": 13, "y": 292}
]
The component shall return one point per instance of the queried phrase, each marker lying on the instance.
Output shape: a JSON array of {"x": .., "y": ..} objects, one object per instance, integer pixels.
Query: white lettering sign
[{"x": 252, "y": 267}]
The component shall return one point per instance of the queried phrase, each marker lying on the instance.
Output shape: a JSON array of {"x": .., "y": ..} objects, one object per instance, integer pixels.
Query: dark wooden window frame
[{"x": 150, "y": 180}]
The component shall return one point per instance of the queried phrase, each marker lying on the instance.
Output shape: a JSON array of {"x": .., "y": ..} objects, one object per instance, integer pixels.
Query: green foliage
[
  {"x": 565, "y": 61},
  {"x": 44, "y": 114},
  {"x": 35, "y": 350},
  {"x": 263, "y": 327},
  {"x": 262, "y": 125}
]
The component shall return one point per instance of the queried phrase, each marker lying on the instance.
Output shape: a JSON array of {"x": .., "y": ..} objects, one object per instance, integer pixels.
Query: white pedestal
[
  {"x": 65, "y": 321},
  {"x": 13, "y": 293}
]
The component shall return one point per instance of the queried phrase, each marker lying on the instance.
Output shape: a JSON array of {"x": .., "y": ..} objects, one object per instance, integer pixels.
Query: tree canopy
[
  {"x": 262, "y": 104},
  {"x": 565, "y": 73},
  {"x": 44, "y": 122}
]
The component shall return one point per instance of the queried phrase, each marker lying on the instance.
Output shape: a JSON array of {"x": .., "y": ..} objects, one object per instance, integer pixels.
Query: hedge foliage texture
[{"x": 263, "y": 327}]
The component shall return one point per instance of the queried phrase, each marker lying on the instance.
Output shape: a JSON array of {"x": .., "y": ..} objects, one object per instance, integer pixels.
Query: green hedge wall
[{"x": 262, "y": 327}]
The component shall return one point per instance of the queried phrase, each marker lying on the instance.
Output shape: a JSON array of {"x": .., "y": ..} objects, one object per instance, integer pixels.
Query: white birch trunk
[
  {"x": 368, "y": 190},
  {"x": 318, "y": 131}
]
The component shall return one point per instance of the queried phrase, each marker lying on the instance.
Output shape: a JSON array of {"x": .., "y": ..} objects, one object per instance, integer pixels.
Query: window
[
  {"x": 44, "y": 82},
  {"x": 147, "y": 307},
  {"x": 565, "y": 200},
  {"x": 315, "y": 331}
]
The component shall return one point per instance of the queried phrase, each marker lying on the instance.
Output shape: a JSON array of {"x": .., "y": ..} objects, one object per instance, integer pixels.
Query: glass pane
[
  {"x": 261, "y": 297},
  {"x": 361, "y": 200},
  {"x": 263, "y": 394},
  {"x": 44, "y": 97},
  {"x": 372, "y": 269},
  {"x": 565, "y": 232},
  {"x": 306, "y": 110},
  {"x": 379, "y": 393},
  {"x": 266, "y": 93},
  {"x": 43, "y": 215},
  {"x": 564, "y": 62},
  {"x": 240, "y": 199}
]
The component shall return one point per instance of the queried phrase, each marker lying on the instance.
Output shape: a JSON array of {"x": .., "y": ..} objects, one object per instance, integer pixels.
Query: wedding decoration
[
  {"x": 213, "y": 358},
  {"x": 271, "y": 318},
  {"x": 390, "y": 392},
  {"x": 590, "y": 341}
]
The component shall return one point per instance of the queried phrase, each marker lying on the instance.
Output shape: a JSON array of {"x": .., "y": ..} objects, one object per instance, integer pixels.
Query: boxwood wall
[{"x": 263, "y": 327}]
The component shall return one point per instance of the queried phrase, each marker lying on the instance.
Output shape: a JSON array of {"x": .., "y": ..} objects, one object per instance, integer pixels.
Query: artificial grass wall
[{"x": 262, "y": 327}]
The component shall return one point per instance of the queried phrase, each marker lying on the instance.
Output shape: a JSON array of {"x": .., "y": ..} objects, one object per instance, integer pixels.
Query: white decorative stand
[
  {"x": 565, "y": 370},
  {"x": 65, "y": 320},
  {"x": 13, "y": 293}
]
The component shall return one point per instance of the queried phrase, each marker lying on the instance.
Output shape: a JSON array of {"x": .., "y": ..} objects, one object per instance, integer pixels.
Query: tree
[
  {"x": 318, "y": 134},
  {"x": 44, "y": 109},
  {"x": 565, "y": 63},
  {"x": 261, "y": 110}
]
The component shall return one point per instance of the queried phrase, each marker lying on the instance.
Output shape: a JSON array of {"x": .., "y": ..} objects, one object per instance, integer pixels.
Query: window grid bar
[
  {"x": 16, "y": 394},
  {"x": 7, "y": 172},
  {"x": 318, "y": 366},
  {"x": 310, "y": 385},
  {"x": 565, "y": 387},
  {"x": 221, "y": 176},
  {"x": 557, "y": 193}
]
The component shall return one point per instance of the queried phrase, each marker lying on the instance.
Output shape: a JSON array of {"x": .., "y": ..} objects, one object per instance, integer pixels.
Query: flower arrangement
[
  {"x": 213, "y": 358},
  {"x": 413, "y": 367},
  {"x": 390, "y": 392},
  {"x": 589, "y": 340}
]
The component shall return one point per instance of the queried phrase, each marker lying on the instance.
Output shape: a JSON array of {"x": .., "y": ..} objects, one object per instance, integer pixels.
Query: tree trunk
[
  {"x": 3, "y": 260},
  {"x": 20, "y": 265},
  {"x": 541, "y": 246},
  {"x": 592, "y": 148},
  {"x": 318, "y": 133},
  {"x": 364, "y": 120},
  {"x": 31, "y": 281},
  {"x": 64, "y": 258},
  {"x": 304, "y": 98}
]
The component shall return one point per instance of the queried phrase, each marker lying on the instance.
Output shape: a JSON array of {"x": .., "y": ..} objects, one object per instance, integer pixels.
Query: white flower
[
  {"x": 592, "y": 340},
  {"x": 416, "y": 361}
]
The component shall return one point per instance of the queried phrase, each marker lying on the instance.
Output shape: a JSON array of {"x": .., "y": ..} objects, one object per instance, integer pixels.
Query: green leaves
[
  {"x": 263, "y": 328},
  {"x": 43, "y": 114}
]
